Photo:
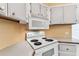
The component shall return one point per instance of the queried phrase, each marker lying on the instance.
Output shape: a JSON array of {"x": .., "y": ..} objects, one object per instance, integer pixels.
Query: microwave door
[{"x": 38, "y": 24}]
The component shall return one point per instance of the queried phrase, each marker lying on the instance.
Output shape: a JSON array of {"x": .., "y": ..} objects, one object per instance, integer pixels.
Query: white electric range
[{"x": 41, "y": 45}]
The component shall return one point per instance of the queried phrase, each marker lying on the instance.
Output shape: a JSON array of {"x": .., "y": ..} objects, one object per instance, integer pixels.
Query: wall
[
  {"x": 10, "y": 33},
  {"x": 55, "y": 4}
]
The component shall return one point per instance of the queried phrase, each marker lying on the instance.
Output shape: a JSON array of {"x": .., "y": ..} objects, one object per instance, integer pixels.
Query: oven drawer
[
  {"x": 67, "y": 47},
  {"x": 67, "y": 54}
]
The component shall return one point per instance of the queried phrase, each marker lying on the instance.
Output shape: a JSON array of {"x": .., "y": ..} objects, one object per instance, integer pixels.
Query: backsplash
[
  {"x": 59, "y": 31},
  {"x": 10, "y": 33}
]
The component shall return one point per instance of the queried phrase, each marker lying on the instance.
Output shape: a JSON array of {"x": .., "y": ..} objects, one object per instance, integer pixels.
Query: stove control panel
[{"x": 35, "y": 34}]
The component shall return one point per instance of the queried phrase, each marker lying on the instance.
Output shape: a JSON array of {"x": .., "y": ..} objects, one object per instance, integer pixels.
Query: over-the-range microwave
[{"x": 38, "y": 23}]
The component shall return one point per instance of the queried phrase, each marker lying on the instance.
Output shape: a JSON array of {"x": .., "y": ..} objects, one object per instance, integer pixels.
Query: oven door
[{"x": 50, "y": 50}]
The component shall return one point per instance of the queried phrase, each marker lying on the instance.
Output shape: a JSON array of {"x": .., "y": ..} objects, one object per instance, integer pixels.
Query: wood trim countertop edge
[{"x": 68, "y": 42}]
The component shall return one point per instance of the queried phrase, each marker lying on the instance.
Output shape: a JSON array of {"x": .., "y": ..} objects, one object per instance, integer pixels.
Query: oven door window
[{"x": 49, "y": 53}]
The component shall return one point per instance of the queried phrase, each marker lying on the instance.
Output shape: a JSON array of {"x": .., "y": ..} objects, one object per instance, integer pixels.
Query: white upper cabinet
[
  {"x": 70, "y": 14},
  {"x": 27, "y": 8},
  {"x": 3, "y": 9},
  {"x": 34, "y": 9},
  {"x": 77, "y": 13},
  {"x": 44, "y": 12},
  {"x": 65, "y": 14},
  {"x": 17, "y": 11},
  {"x": 38, "y": 16},
  {"x": 56, "y": 15},
  {"x": 39, "y": 10}
]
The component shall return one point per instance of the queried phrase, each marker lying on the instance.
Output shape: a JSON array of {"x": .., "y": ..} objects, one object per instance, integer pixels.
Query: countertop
[
  {"x": 19, "y": 49},
  {"x": 66, "y": 40},
  {"x": 73, "y": 41}
]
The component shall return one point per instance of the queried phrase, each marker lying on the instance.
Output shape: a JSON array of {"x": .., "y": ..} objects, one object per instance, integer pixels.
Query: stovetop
[{"x": 40, "y": 42}]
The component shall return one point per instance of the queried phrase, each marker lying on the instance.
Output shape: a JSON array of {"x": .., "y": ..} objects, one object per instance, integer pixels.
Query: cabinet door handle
[
  {"x": 50, "y": 22},
  {"x": 13, "y": 13},
  {"x": 1, "y": 8},
  {"x": 67, "y": 48}
]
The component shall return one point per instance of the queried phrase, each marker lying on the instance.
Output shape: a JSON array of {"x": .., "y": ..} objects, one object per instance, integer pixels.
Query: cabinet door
[
  {"x": 44, "y": 11},
  {"x": 3, "y": 9},
  {"x": 27, "y": 11},
  {"x": 77, "y": 13},
  {"x": 35, "y": 9},
  {"x": 67, "y": 54},
  {"x": 17, "y": 10},
  {"x": 70, "y": 14},
  {"x": 56, "y": 15},
  {"x": 67, "y": 49}
]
